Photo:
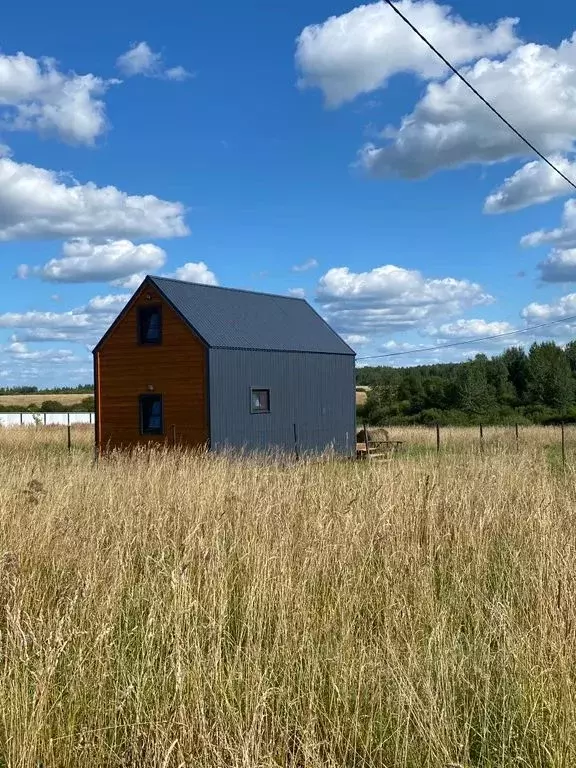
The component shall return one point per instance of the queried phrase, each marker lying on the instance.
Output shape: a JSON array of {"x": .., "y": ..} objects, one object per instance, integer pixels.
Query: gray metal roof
[{"x": 235, "y": 319}]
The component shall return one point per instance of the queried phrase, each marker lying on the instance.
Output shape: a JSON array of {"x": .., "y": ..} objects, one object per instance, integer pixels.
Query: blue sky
[{"x": 318, "y": 149}]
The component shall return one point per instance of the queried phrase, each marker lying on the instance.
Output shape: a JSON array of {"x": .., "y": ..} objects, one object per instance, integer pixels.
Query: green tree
[
  {"x": 516, "y": 361},
  {"x": 550, "y": 380},
  {"x": 475, "y": 396}
]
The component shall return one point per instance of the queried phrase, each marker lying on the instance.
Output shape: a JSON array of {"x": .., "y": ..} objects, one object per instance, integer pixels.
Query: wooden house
[{"x": 196, "y": 365}]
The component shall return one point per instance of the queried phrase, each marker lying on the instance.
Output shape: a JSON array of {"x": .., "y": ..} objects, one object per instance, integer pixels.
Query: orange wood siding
[{"x": 176, "y": 369}]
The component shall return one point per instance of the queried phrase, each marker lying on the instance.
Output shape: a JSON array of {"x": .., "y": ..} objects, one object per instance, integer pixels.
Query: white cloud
[
  {"x": 563, "y": 236},
  {"x": 469, "y": 329},
  {"x": 356, "y": 339},
  {"x": 534, "y": 183},
  {"x": 84, "y": 261},
  {"x": 359, "y": 51},
  {"x": 140, "y": 59},
  {"x": 110, "y": 304},
  {"x": 558, "y": 310},
  {"x": 85, "y": 324},
  {"x": 450, "y": 126},
  {"x": 130, "y": 283},
  {"x": 306, "y": 266},
  {"x": 36, "y": 96},
  {"x": 20, "y": 352},
  {"x": 392, "y": 298},
  {"x": 193, "y": 272},
  {"x": 297, "y": 293},
  {"x": 36, "y": 203},
  {"x": 559, "y": 266}
]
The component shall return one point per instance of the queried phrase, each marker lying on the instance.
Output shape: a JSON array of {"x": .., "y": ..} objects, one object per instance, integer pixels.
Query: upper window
[
  {"x": 151, "y": 415},
  {"x": 260, "y": 400},
  {"x": 150, "y": 324}
]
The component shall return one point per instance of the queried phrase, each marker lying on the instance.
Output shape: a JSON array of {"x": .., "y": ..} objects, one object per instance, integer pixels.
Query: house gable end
[{"x": 148, "y": 284}]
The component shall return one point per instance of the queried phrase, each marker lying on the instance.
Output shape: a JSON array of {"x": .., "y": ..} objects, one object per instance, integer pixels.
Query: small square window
[
  {"x": 151, "y": 415},
  {"x": 150, "y": 324},
  {"x": 260, "y": 401}
]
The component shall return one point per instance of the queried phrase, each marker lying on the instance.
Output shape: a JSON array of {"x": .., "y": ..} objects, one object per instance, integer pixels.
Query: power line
[
  {"x": 469, "y": 341},
  {"x": 479, "y": 95}
]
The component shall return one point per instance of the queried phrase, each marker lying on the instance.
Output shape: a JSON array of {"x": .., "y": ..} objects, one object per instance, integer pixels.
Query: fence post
[
  {"x": 296, "y": 451},
  {"x": 44, "y": 419},
  {"x": 366, "y": 442},
  {"x": 481, "y": 439},
  {"x": 517, "y": 438},
  {"x": 69, "y": 430},
  {"x": 563, "y": 444},
  {"x": 437, "y": 437},
  {"x": 21, "y": 419}
]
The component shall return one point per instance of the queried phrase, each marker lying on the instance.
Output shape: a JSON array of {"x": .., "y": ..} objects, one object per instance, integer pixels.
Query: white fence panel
[{"x": 41, "y": 419}]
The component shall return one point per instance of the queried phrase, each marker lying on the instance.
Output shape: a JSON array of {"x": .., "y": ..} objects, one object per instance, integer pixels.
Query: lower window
[
  {"x": 151, "y": 415},
  {"x": 260, "y": 401}
]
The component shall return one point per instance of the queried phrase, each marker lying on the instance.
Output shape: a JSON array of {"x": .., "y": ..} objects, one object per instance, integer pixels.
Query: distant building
[{"x": 198, "y": 365}]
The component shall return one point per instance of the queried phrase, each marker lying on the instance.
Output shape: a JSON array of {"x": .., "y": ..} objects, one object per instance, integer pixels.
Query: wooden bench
[{"x": 378, "y": 449}]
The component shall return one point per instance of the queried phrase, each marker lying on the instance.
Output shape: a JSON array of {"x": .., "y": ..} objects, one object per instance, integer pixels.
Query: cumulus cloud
[
  {"x": 84, "y": 261},
  {"x": 563, "y": 236},
  {"x": 359, "y": 51},
  {"x": 534, "y": 183},
  {"x": 84, "y": 324},
  {"x": 190, "y": 272},
  {"x": 469, "y": 329},
  {"x": 297, "y": 293},
  {"x": 140, "y": 59},
  {"x": 392, "y": 298},
  {"x": 36, "y": 96},
  {"x": 451, "y": 127},
  {"x": 194, "y": 272},
  {"x": 305, "y": 266},
  {"x": 36, "y": 203},
  {"x": 356, "y": 339},
  {"x": 563, "y": 308},
  {"x": 559, "y": 266},
  {"x": 20, "y": 352}
]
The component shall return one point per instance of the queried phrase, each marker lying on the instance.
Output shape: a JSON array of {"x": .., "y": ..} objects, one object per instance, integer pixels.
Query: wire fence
[{"x": 558, "y": 441}]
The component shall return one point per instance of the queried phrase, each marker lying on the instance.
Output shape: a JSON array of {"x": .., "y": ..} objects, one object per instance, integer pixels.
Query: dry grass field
[
  {"x": 36, "y": 399},
  {"x": 184, "y": 610}
]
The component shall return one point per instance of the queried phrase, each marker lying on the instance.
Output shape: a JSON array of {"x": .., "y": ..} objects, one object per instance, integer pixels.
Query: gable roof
[{"x": 235, "y": 319}]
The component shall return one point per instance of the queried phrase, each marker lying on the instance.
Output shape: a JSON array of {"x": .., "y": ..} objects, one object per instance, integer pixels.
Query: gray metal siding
[{"x": 315, "y": 392}]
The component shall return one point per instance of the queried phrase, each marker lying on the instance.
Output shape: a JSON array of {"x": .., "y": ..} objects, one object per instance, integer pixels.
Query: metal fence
[{"x": 28, "y": 419}]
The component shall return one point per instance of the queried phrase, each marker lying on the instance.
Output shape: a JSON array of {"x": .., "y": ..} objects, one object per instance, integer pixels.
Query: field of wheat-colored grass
[
  {"x": 23, "y": 401},
  {"x": 174, "y": 609}
]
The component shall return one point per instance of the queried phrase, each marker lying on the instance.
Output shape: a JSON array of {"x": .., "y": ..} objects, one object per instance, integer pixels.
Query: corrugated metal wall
[{"x": 315, "y": 392}]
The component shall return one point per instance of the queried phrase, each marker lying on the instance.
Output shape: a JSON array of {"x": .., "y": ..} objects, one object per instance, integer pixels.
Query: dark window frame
[
  {"x": 260, "y": 410},
  {"x": 141, "y": 401},
  {"x": 148, "y": 308}
]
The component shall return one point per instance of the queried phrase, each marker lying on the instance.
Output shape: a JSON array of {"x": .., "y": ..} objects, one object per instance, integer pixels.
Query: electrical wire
[
  {"x": 469, "y": 341},
  {"x": 479, "y": 95}
]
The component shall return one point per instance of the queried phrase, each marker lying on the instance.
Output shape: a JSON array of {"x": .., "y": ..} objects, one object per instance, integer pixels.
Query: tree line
[
  {"x": 534, "y": 387},
  {"x": 86, "y": 405},
  {"x": 27, "y": 390}
]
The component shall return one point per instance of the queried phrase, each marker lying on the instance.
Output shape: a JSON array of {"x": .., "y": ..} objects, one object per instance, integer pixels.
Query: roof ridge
[{"x": 227, "y": 288}]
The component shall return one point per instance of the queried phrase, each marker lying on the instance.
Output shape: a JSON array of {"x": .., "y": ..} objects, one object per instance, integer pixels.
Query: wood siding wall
[{"x": 176, "y": 369}]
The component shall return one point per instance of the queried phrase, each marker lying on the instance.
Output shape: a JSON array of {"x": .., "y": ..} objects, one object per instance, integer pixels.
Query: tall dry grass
[{"x": 179, "y": 610}]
